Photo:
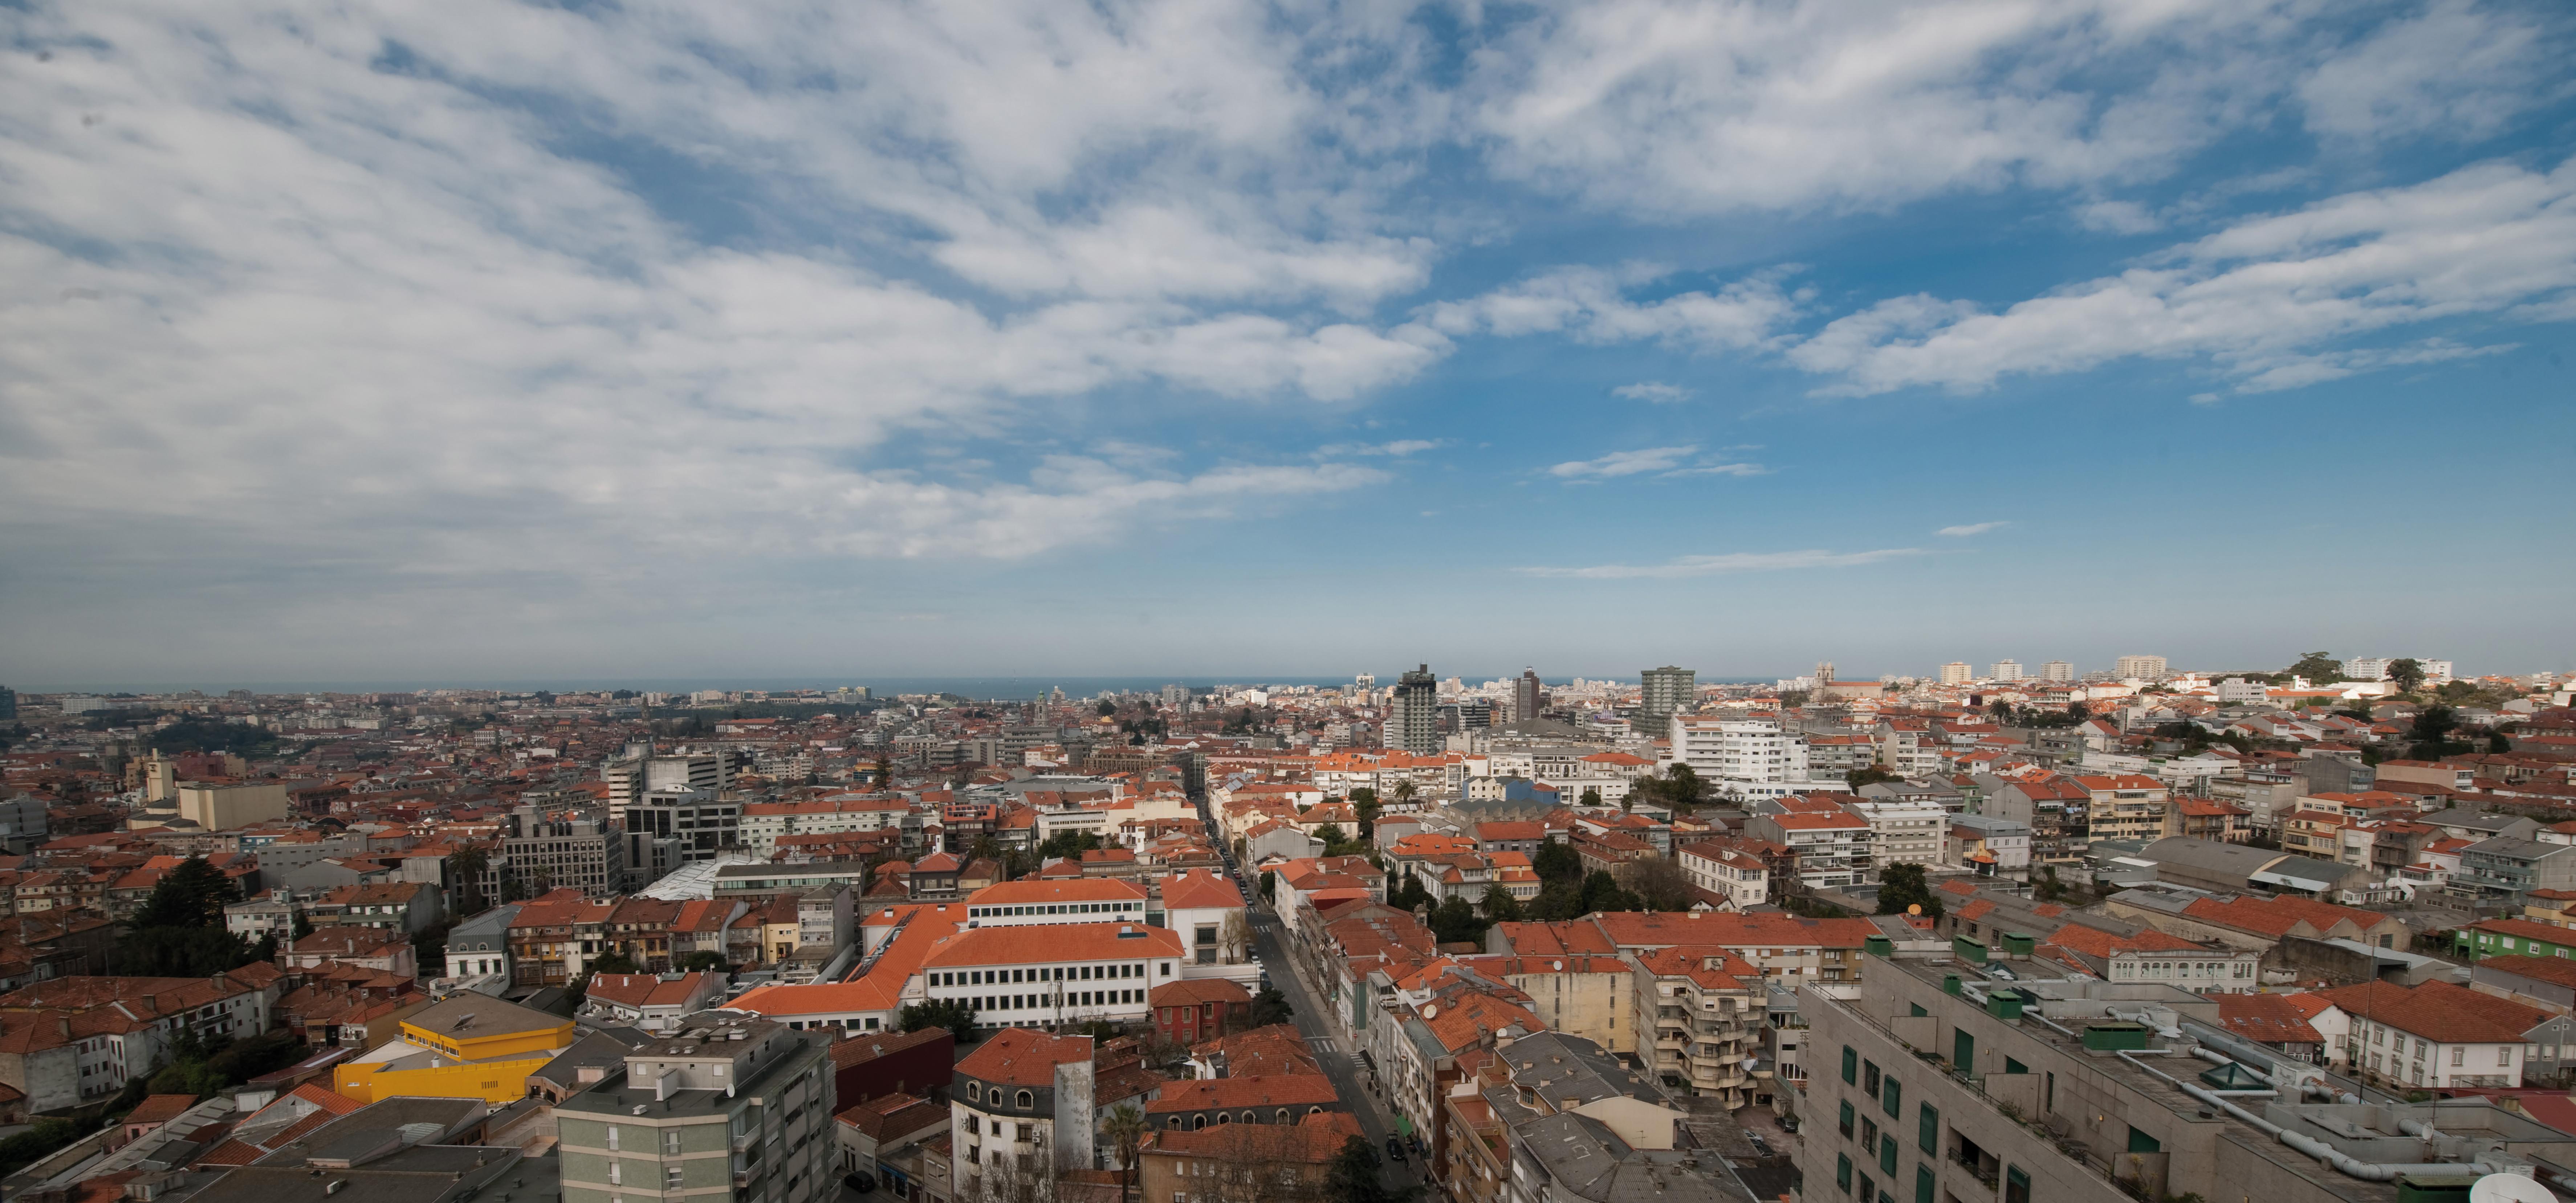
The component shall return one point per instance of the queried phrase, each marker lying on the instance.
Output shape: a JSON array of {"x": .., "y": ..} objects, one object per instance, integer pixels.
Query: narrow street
[{"x": 1340, "y": 1064}]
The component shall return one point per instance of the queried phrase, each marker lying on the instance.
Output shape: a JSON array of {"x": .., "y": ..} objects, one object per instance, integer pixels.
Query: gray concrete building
[
  {"x": 1949, "y": 1080},
  {"x": 727, "y": 1108}
]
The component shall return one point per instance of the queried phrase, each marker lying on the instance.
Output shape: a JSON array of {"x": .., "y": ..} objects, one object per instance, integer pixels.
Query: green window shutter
[
  {"x": 1918, "y": 1009},
  {"x": 1894, "y": 1099},
  {"x": 1842, "y": 1172},
  {"x": 2016, "y": 1186},
  {"x": 2015, "y": 1067},
  {"x": 1929, "y": 1130},
  {"x": 1923, "y": 1184},
  {"x": 2140, "y": 1142},
  {"x": 1847, "y": 1119},
  {"x": 1868, "y": 1189},
  {"x": 1963, "y": 1050},
  {"x": 1887, "y": 1155},
  {"x": 1851, "y": 1065}
]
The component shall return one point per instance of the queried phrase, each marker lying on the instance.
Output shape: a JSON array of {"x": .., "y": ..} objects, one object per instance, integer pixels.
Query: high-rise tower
[
  {"x": 1667, "y": 690},
  {"x": 1413, "y": 724}
]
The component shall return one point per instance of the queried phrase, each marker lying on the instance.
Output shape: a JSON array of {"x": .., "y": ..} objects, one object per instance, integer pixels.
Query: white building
[
  {"x": 2144, "y": 668},
  {"x": 2006, "y": 670},
  {"x": 1737, "y": 876},
  {"x": 1053, "y": 976},
  {"x": 1056, "y": 900},
  {"x": 1020, "y": 1114},
  {"x": 2237, "y": 691},
  {"x": 2057, "y": 670},
  {"x": 1957, "y": 672},
  {"x": 1737, "y": 752}
]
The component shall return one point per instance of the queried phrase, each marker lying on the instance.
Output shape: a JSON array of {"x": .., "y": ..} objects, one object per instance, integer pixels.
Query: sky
[{"x": 492, "y": 341}]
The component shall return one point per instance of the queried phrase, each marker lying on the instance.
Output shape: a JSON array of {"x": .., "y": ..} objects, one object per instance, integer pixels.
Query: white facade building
[
  {"x": 1056, "y": 977},
  {"x": 2006, "y": 670},
  {"x": 1740, "y": 877},
  {"x": 1740, "y": 753},
  {"x": 2057, "y": 670},
  {"x": 1903, "y": 833}
]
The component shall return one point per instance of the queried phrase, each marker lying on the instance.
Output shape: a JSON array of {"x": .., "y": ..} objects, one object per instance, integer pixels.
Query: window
[
  {"x": 1869, "y": 1137},
  {"x": 1887, "y": 1155},
  {"x": 2142, "y": 1142},
  {"x": 612, "y": 1138},
  {"x": 2016, "y": 1186},
  {"x": 1928, "y": 1134},
  {"x": 2459, "y": 1055},
  {"x": 1869, "y": 1078},
  {"x": 1842, "y": 1173},
  {"x": 2015, "y": 1067},
  {"x": 1846, "y": 1122},
  {"x": 1025, "y": 1100},
  {"x": 616, "y": 1174},
  {"x": 2504, "y": 1055},
  {"x": 671, "y": 1141},
  {"x": 1923, "y": 1184},
  {"x": 1894, "y": 1101},
  {"x": 974, "y": 1094},
  {"x": 671, "y": 1178},
  {"x": 1851, "y": 1064}
]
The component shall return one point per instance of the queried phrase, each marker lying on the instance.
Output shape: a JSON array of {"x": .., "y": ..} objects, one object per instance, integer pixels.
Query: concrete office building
[
  {"x": 726, "y": 1108},
  {"x": 1942, "y": 1080},
  {"x": 1667, "y": 691},
  {"x": 1527, "y": 696},
  {"x": 1413, "y": 721},
  {"x": 575, "y": 849}
]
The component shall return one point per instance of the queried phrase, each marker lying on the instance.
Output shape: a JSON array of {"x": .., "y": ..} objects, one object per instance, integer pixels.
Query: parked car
[
  {"x": 861, "y": 1183},
  {"x": 1788, "y": 1123},
  {"x": 1394, "y": 1150}
]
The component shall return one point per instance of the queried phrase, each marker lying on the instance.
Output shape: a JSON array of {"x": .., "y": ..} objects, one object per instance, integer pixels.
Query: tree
[
  {"x": 1269, "y": 885},
  {"x": 1106, "y": 708},
  {"x": 1557, "y": 901},
  {"x": 950, "y": 1013},
  {"x": 1409, "y": 895},
  {"x": 1125, "y": 1128},
  {"x": 1352, "y": 1177},
  {"x": 193, "y": 894},
  {"x": 1592, "y": 797},
  {"x": 1234, "y": 938},
  {"x": 1660, "y": 885},
  {"x": 2318, "y": 668},
  {"x": 704, "y": 961},
  {"x": 180, "y": 952},
  {"x": 2077, "y": 712},
  {"x": 1683, "y": 788},
  {"x": 1455, "y": 921},
  {"x": 2432, "y": 732},
  {"x": 1602, "y": 892},
  {"x": 1871, "y": 775},
  {"x": 614, "y": 961},
  {"x": 2408, "y": 675},
  {"x": 1404, "y": 792},
  {"x": 1269, "y": 1007},
  {"x": 1499, "y": 904},
  {"x": 1557, "y": 860},
  {"x": 1901, "y": 886}
]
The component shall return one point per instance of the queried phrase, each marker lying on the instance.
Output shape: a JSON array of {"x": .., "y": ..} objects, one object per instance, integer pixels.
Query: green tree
[
  {"x": 2408, "y": 675},
  {"x": 705, "y": 960},
  {"x": 1408, "y": 894},
  {"x": 950, "y": 1013},
  {"x": 1901, "y": 886},
  {"x": 1269, "y": 885},
  {"x": 2318, "y": 668},
  {"x": 193, "y": 894},
  {"x": 1871, "y": 775},
  {"x": 1500, "y": 906},
  {"x": 1557, "y": 901},
  {"x": 1352, "y": 1178},
  {"x": 180, "y": 952},
  {"x": 1455, "y": 922},
  {"x": 1105, "y": 709},
  {"x": 1602, "y": 892},
  {"x": 614, "y": 961},
  {"x": 1364, "y": 803},
  {"x": 1557, "y": 860},
  {"x": 2432, "y": 732},
  {"x": 1592, "y": 797},
  {"x": 1269, "y": 1007},
  {"x": 1331, "y": 834},
  {"x": 1658, "y": 884}
]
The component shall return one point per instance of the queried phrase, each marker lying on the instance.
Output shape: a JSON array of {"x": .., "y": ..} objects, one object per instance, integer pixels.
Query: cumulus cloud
[
  {"x": 1741, "y": 561},
  {"x": 1973, "y": 528},
  {"x": 2259, "y": 299},
  {"x": 1655, "y": 391}
]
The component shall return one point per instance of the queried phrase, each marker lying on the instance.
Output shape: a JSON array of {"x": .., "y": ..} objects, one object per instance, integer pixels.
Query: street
[{"x": 1340, "y": 1064}]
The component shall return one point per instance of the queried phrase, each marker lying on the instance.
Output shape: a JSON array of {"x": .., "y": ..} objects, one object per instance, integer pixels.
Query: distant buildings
[
  {"x": 2006, "y": 670},
  {"x": 2057, "y": 670},
  {"x": 1956, "y": 673},
  {"x": 2144, "y": 668}
]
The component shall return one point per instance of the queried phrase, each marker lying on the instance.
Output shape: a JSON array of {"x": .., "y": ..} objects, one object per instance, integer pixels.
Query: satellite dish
[
  {"x": 2509, "y": 1188},
  {"x": 1433, "y": 1012},
  {"x": 1915, "y": 908}
]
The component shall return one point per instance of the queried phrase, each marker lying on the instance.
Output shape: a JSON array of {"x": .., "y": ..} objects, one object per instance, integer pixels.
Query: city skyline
[{"x": 1214, "y": 339}]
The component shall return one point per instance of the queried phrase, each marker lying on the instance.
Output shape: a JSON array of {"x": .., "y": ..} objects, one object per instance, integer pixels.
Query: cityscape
[
  {"x": 1402, "y": 936},
  {"x": 1262, "y": 601}
]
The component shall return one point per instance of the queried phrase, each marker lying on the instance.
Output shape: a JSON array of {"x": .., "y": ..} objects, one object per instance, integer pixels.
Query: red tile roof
[{"x": 1021, "y": 1057}]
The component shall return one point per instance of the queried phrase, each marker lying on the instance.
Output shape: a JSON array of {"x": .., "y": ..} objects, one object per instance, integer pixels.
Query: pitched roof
[
  {"x": 1023, "y": 1057},
  {"x": 2558, "y": 971},
  {"x": 2267, "y": 1019},
  {"x": 1197, "y": 991},
  {"x": 1085, "y": 889},
  {"x": 1282, "y": 1090},
  {"x": 2439, "y": 1011},
  {"x": 1200, "y": 889},
  {"x": 1053, "y": 942},
  {"x": 2527, "y": 929},
  {"x": 1651, "y": 929}
]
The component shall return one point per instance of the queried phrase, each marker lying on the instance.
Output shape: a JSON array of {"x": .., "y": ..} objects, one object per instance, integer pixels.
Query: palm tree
[
  {"x": 1404, "y": 791},
  {"x": 1126, "y": 1128}
]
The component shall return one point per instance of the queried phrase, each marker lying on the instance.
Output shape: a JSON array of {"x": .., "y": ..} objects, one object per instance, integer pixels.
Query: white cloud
[
  {"x": 1589, "y": 304},
  {"x": 2258, "y": 298},
  {"x": 1623, "y": 463},
  {"x": 2455, "y": 68},
  {"x": 1655, "y": 391},
  {"x": 1399, "y": 448},
  {"x": 1721, "y": 469},
  {"x": 2118, "y": 217},
  {"x": 1766, "y": 561},
  {"x": 1973, "y": 528}
]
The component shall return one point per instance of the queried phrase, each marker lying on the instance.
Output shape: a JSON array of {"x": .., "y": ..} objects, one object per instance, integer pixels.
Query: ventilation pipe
[{"x": 2255, "y": 1056}]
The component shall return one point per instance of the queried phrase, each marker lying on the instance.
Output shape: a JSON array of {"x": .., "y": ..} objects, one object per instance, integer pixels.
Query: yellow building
[
  {"x": 218, "y": 806},
  {"x": 469, "y": 1046}
]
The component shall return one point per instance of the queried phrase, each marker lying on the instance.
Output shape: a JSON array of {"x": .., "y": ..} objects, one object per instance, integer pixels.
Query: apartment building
[
  {"x": 2125, "y": 806},
  {"x": 1740, "y": 878},
  {"x": 1945, "y": 1081},
  {"x": 1739, "y": 752},
  {"x": 1020, "y": 1113},
  {"x": 1902, "y": 833},
  {"x": 1704, "y": 1010},
  {"x": 727, "y": 1107},
  {"x": 1832, "y": 848}
]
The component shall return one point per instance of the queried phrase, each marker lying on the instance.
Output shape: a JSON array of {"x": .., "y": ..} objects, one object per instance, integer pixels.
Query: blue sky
[{"x": 486, "y": 340}]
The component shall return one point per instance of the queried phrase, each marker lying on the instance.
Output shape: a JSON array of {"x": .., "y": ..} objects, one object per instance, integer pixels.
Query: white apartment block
[
  {"x": 762, "y": 823},
  {"x": 1739, "y": 751},
  {"x": 2144, "y": 668},
  {"x": 2237, "y": 691},
  {"x": 2057, "y": 670},
  {"x": 1055, "y": 977},
  {"x": 2006, "y": 670},
  {"x": 1957, "y": 672}
]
